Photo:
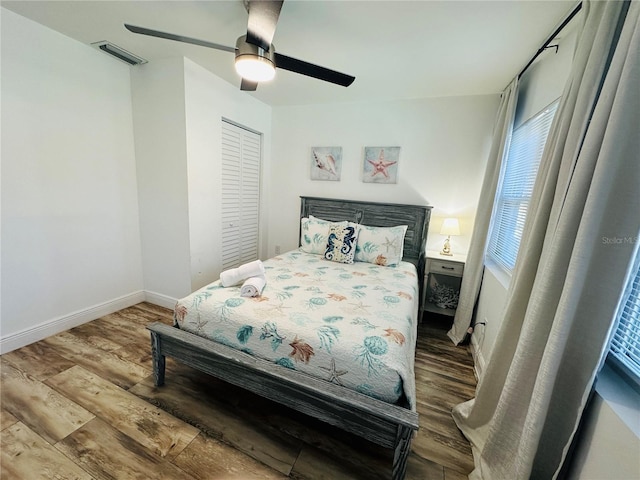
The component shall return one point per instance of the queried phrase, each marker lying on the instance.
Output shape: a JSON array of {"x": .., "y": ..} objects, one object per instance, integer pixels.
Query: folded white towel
[
  {"x": 253, "y": 286},
  {"x": 234, "y": 276}
]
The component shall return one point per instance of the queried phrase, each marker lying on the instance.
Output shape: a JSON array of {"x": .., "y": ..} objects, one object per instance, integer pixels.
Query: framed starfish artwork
[
  {"x": 380, "y": 164},
  {"x": 326, "y": 163}
]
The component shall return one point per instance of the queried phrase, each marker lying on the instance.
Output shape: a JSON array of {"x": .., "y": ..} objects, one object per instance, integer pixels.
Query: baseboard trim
[
  {"x": 65, "y": 322},
  {"x": 160, "y": 299}
]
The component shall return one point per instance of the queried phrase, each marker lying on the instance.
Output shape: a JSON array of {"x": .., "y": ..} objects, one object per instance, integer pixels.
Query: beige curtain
[
  {"x": 574, "y": 259},
  {"x": 474, "y": 266}
]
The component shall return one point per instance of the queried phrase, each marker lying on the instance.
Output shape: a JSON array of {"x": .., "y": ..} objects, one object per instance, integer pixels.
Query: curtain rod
[{"x": 553, "y": 35}]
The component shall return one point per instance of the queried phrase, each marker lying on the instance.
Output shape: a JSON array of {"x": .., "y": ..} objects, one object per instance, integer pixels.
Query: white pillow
[
  {"x": 314, "y": 234},
  {"x": 381, "y": 245}
]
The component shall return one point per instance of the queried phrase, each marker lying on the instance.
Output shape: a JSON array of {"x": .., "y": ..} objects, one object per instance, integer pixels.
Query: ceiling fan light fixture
[
  {"x": 255, "y": 68},
  {"x": 256, "y": 57},
  {"x": 254, "y": 63}
]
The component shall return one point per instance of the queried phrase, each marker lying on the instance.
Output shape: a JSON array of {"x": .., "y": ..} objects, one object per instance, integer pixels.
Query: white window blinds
[
  {"x": 514, "y": 193},
  {"x": 625, "y": 346},
  {"x": 241, "y": 155}
]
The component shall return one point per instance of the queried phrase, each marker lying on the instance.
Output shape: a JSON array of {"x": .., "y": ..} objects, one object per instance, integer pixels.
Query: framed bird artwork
[
  {"x": 380, "y": 164},
  {"x": 326, "y": 163}
]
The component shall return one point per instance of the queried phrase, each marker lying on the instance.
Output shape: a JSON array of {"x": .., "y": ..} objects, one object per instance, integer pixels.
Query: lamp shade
[{"x": 450, "y": 226}]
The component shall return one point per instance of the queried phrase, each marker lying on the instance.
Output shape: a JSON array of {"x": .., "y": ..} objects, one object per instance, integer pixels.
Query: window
[
  {"x": 514, "y": 193},
  {"x": 625, "y": 346}
]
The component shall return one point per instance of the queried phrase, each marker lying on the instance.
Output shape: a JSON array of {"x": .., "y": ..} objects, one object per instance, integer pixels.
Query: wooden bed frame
[{"x": 390, "y": 426}]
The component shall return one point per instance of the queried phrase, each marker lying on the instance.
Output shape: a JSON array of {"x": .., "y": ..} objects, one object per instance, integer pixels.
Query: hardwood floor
[{"x": 82, "y": 405}]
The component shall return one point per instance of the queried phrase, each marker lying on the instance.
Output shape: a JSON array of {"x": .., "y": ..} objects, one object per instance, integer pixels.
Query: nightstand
[{"x": 443, "y": 277}]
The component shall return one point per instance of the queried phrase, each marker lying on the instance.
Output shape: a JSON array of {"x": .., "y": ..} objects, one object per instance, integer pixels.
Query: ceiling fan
[{"x": 256, "y": 58}]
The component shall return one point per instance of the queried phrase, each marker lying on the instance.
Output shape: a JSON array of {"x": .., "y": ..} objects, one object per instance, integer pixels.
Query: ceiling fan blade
[
  {"x": 248, "y": 85},
  {"x": 311, "y": 70},
  {"x": 178, "y": 38},
  {"x": 263, "y": 18}
]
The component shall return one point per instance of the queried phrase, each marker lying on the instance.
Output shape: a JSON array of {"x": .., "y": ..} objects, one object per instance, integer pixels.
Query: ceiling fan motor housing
[{"x": 254, "y": 62}]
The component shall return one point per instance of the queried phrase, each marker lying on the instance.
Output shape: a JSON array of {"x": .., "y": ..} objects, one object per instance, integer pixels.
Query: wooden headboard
[{"x": 375, "y": 214}]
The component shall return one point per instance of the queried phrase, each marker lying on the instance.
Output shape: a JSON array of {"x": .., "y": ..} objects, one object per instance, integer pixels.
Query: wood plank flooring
[{"x": 82, "y": 405}]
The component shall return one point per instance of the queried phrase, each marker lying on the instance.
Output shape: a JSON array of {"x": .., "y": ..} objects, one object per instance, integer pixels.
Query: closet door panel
[{"x": 241, "y": 155}]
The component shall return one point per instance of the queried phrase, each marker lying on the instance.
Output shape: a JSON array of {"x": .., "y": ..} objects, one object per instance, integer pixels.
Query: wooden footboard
[{"x": 390, "y": 426}]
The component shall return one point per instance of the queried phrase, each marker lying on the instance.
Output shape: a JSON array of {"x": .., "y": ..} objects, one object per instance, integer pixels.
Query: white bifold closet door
[{"x": 241, "y": 156}]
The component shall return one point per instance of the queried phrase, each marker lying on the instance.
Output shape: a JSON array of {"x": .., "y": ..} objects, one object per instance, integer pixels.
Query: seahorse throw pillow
[
  {"x": 314, "y": 233},
  {"x": 341, "y": 244}
]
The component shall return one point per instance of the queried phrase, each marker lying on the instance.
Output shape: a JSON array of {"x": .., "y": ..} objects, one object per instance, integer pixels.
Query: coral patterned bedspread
[{"x": 351, "y": 324}]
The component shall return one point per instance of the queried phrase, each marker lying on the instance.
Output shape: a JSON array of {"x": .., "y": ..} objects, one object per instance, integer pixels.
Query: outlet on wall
[{"x": 277, "y": 249}]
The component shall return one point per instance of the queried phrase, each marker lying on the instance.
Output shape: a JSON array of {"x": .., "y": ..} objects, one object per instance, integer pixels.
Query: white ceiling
[{"x": 395, "y": 49}]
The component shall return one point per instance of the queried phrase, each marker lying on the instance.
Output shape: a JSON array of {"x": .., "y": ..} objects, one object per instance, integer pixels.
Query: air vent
[{"x": 119, "y": 53}]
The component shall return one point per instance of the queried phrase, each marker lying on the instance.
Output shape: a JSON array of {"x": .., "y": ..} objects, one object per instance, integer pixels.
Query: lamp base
[{"x": 446, "y": 248}]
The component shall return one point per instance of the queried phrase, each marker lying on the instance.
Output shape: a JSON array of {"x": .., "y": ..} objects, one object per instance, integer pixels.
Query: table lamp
[{"x": 450, "y": 226}]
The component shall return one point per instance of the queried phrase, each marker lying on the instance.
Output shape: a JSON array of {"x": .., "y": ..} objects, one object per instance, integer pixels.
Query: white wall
[
  {"x": 444, "y": 144},
  {"x": 208, "y": 99},
  {"x": 493, "y": 297},
  {"x": 70, "y": 236},
  {"x": 610, "y": 450},
  {"x": 610, "y": 433},
  {"x": 161, "y": 157},
  {"x": 178, "y": 109}
]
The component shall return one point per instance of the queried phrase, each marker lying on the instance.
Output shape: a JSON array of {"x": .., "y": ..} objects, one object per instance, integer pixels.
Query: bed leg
[
  {"x": 401, "y": 453},
  {"x": 158, "y": 360}
]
